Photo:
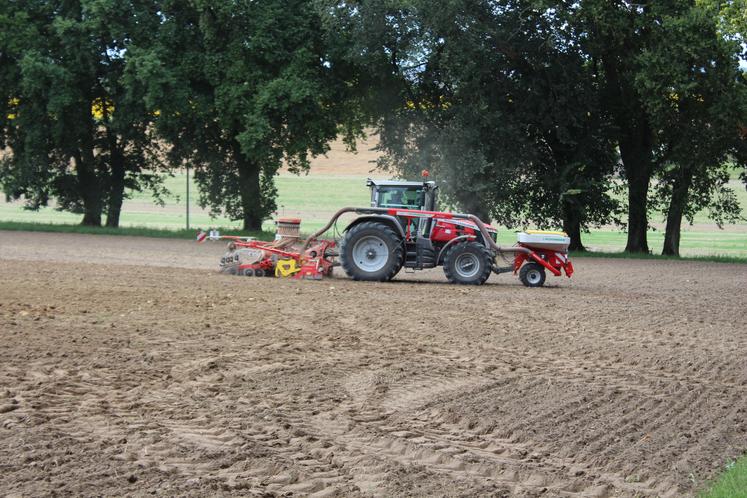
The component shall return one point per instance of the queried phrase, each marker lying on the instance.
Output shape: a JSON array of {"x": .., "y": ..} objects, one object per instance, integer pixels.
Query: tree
[
  {"x": 697, "y": 98},
  {"x": 496, "y": 100},
  {"x": 243, "y": 86},
  {"x": 130, "y": 150},
  {"x": 75, "y": 129},
  {"x": 732, "y": 22},
  {"x": 669, "y": 81},
  {"x": 617, "y": 32}
]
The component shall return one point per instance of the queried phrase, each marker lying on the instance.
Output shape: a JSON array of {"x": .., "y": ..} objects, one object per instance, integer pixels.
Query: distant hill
[{"x": 340, "y": 162}]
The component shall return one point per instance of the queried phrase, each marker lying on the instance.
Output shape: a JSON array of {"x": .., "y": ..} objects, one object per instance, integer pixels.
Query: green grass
[
  {"x": 316, "y": 198},
  {"x": 695, "y": 241},
  {"x": 715, "y": 258},
  {"x": 730, "y": 484},
  {"x": 136, "y": 231}
]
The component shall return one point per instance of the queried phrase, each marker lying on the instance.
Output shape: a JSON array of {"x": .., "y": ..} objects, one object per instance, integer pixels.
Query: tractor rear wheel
[
  {"x": 468, "y": 263},
  {"x": 532, "y": 275},
  {"x": 371, "y": 251}
]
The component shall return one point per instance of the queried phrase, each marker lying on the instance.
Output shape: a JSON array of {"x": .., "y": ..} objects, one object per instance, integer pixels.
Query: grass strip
[
  {"x": 732, "y": 483},
  {"x": 129, "y": 231},
  {"x": 712, "y": 258}
]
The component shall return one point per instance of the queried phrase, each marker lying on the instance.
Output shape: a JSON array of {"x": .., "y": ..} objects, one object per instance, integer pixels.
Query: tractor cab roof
[{"x": 398, "y": 183}]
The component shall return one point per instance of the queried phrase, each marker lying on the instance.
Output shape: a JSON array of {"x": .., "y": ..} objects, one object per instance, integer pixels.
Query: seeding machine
[{"x": 401, "y": 229}]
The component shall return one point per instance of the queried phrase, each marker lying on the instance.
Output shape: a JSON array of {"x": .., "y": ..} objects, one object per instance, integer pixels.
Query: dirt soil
[{"x": 129, "y": 366}]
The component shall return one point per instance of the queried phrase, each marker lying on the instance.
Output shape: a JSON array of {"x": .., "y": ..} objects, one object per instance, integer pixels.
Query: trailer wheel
[
  {"x": 259, "y": 272},
  {"x": 371, "y": 251},
  {"x": 468, "y": 263},
  {"x": 248, "y": 272},
  {"x": 532, "y": 275}
]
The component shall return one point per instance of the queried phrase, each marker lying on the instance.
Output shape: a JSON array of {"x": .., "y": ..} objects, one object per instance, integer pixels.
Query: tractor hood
[{"x": 465, "y": 223}]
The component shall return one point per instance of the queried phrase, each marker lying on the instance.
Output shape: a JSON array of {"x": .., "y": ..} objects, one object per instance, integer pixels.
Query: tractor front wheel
[
  {"x": 532, "y": 275},
  {"x": 371, "y": 251},
  {"x": 468, "y": 263}
]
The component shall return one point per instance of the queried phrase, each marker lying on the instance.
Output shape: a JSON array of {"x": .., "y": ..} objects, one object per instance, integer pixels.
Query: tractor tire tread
[
  {"x": 395, "y": 263},
  {"x": 485, "y": 271},
  {"x": 524, "y": 274}
]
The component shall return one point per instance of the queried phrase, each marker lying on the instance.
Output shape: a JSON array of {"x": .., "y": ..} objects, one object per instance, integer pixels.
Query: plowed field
[{"x": 129, "y": 366}]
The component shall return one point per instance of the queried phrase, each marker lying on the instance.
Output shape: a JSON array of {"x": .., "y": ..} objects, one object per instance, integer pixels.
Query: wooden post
[{"x": 187, "y": 197}]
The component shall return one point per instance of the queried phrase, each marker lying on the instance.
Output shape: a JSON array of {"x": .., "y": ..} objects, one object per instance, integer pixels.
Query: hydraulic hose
[{"x": 331, "y": 222}]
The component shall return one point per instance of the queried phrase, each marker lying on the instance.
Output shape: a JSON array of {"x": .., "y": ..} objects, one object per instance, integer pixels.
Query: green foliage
[
  {"x": 244, "y": 86},
  {"x": 676, "y": 95},
  {"x": 73, "y": 127},
  {"x": 518, "y": 107},
  {"x": 495, "y": 99},
  {"x": 731, "y": 17},
  {"x": 523, "y": 110},
  {"x": 696, "y": 97}
]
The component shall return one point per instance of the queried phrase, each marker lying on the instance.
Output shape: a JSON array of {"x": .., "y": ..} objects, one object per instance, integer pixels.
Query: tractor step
[{"x": 420, "y": 256}]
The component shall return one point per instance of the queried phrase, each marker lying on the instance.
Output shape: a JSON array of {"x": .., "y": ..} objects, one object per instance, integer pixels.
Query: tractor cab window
[{"x": 401, "y": 197}]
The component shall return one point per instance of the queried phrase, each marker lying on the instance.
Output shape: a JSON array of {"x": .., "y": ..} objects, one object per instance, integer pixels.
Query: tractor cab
[{"x": 402, "y": 194}]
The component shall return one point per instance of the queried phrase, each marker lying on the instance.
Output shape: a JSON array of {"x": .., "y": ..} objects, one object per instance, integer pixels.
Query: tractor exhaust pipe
[{"x": 372, "y": 210}]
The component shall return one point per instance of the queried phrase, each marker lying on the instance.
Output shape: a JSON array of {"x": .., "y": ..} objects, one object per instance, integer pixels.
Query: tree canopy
[
  {"x": 499, "y": 103},
  {"x": 672, "y": 85},
  {"x": 243, "y": 87},
  {"x": 526, "y": 111},
  {"x": 79, "y": 131}
]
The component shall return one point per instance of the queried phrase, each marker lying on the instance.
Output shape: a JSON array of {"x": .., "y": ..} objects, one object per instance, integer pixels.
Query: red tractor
[
  {"x": 402, "y": 229},
  {"x": 410, "y": 233}
]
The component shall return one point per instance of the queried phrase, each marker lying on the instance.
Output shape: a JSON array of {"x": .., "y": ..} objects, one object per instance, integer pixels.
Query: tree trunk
[
  {"x": 88, "y": 188},
  {"x": 635, "y": 141},
  {"x": 637, "y": 213},
  {"x": 572, "y": 226},
  {"x": 635, "y": 152},
  {"x": 91, "y": 216},
  {"x": 675, "y": 212},
  {"x": 116, "y": 189},
  {"x": 251, "y": 195}
]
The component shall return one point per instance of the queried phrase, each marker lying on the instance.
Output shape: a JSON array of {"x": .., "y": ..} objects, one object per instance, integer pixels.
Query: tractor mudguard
[
  {"x": 388, "y": 220},
  {"x": 442, "y": 252}
]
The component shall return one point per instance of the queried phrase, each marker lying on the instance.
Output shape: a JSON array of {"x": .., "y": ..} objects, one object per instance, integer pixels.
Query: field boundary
[
  {"x": 163, "y": 233},
  {"x": 731, "y": 483},
  {"x": 262, "y": 235}
]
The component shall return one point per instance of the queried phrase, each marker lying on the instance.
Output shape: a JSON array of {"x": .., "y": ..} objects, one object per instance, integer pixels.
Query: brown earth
[
  {"x": 340, "y": 161},
  {"x": 129, "y": 366}
]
